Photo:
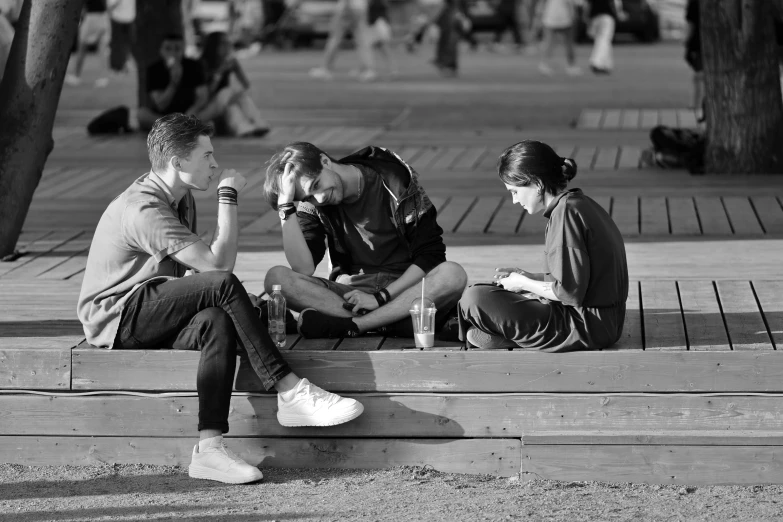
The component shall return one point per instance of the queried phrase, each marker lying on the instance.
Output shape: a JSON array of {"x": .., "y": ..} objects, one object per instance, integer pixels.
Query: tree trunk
[
  {"x": 154, "y": 20},
  {"x": 29, "y": 94},
  {"x": 742, "y": 87}
]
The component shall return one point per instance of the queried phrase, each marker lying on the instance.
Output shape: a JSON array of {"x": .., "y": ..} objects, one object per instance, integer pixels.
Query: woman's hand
[
  {"x": 506, "y": 271},
  {"x": 515, "y": 282},
  {"x": 287, "y": 186},
  {"x": 361, "y": 301}
]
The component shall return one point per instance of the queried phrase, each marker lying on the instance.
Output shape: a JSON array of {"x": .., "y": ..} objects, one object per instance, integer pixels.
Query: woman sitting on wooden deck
[{"x": 578, "y": 303}]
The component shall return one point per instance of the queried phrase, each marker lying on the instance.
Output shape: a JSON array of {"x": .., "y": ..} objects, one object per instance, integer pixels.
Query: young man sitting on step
[
  {"x": 134, "y": 295},
  {"x": 382, "y": 235}
]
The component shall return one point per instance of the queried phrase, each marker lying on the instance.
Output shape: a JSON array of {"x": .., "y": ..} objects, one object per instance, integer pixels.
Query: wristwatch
[{"x": 286, "y": 212}]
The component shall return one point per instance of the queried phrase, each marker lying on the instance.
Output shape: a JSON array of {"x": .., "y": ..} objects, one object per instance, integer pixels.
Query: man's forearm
[
  {"x": 295, "y": 247},
  {"x": 225, "y": 241},
  {"x": 410, "y": 277}
]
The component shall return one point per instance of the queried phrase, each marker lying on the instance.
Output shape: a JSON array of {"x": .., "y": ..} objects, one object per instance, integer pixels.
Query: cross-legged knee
[
  {"x": 277, "y": 275},
  {"x": 452, "y": 276},
  {"x": 214, "y": 329}
]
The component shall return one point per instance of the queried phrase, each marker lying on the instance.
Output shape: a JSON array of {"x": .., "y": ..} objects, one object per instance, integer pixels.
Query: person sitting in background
[
  {"x": 381, "y": 32},
  {"x": 235, "y": 112},
  {"x": 578, "y": 303},
  {"x": 93, "y": 30},
  {"x": 558, "y": 21}
]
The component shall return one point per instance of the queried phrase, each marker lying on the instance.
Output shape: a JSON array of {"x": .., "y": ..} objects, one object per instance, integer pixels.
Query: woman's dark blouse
[{"x": 585, "y": 260}]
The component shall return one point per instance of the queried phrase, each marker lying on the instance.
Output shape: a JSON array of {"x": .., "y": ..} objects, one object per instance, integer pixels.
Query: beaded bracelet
[{"x": 227, "y": 195}]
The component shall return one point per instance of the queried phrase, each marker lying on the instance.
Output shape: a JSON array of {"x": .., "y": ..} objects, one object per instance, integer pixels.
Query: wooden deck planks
[
  {"x": 703, "y": 319},
  {"x": 424, "y": 160},
  {"x": 590, "y": 119},
  {"x": 447, "y": 158},
  {"x": 668, "y": 117},
  {"x": 654, "y": 216},
  {"x": 507, "y": 218},
  {"x": 744, "y": 322},
  {"x": 654, "y": 464},
  {"x": 629, "y": 157},
  {"x": 630, "y": 119},
  {"x": 769, "y": 212},
  {"x": 405, "y": 371},
  {"x": 682, "y": 217},
  {"x": 436, "y": 416},
  {"x": 471, "y": 157},
  {"x": 480, "y": 215},
  {"x": 712, "y": 216},
  {"x": 649, "y": 118},
  {"x": 455, "y": 210},
  {"x": 742, "y": 216},
  {"x": 606, "y": 158},
  {"x": 625, "y": 212},
  {"x": 611, "y": 119},
  {"x": 37, "y": 251},
  {"x": 584, "y": 157},
  {"x": 663, "y": 326},
  {"x": 479, "y": 456},
  {"x": 770, "y": 296},
  {"x": 22, "y": 367},
  {"x": 632, "y": 338}
]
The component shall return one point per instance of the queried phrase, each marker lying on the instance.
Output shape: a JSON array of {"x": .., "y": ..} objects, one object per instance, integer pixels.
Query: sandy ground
[{"x": 135, "y": 492}]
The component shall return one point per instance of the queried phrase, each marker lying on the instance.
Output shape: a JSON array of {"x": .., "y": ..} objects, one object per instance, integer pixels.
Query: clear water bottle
[{"x": 277, "y": 316}]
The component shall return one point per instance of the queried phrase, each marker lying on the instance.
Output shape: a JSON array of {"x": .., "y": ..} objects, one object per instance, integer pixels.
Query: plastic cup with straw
[{"x": 423, "y": 316}]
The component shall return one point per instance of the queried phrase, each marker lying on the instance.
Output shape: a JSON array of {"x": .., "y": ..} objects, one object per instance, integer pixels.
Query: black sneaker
[{"x": 313, "y": 324}]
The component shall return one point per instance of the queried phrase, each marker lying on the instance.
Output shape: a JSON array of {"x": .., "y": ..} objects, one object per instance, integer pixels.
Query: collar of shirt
[
  {"x": 163, "y": 188},
  {"x": 557, "y": 199}
]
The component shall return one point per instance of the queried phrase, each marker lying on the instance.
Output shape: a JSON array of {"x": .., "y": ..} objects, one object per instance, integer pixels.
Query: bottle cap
[{"x": 277, "y": 287}]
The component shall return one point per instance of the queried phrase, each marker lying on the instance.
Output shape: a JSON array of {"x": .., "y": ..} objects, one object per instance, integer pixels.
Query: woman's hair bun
[{"x": 569, "y": 168}]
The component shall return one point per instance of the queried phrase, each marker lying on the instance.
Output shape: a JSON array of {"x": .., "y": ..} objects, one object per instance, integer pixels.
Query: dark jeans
[
  {"x": 210, "y": 312},
  {"x": 122, "y": 36},
  {"x": 510, "y": 23}
]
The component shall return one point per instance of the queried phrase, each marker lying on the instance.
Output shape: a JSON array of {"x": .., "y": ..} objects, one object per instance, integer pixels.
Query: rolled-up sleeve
[{"x": 569, "y": 274}]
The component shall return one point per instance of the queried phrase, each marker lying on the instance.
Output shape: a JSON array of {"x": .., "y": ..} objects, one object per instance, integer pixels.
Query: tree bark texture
[
  {"x": 742, "y": 87},
  {"x": 154, "y": 20},
  {"x": 29, "y": 94}
]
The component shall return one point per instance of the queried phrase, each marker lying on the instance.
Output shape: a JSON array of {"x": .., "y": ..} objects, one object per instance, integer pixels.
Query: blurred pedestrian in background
[
  {"x": 531, "y": 24},
  {"x": 381, "y": 32},
  {"x": 122, "y": 14},
  {"x": 507, "y": 13},
  {"x": 230, "y": 105},
  {"x": 693, "y": 55},
  {"x": 93, "y": 32},
  {"x": 349, "y": 15},
  {"x": 603, "y": 19},
  {"x": 452, "y": 22},
  {"x": 558, "y": 21},
  {"x": 9, "y": 15}
]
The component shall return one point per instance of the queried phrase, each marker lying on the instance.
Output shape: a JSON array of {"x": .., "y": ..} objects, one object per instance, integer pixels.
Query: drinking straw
[{"x": 421, "y": 328}]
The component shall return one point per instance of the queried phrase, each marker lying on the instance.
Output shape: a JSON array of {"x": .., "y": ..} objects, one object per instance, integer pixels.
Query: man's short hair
[
  {"x": 306, "y": 160},
  {"x": 175, "y": 134}
]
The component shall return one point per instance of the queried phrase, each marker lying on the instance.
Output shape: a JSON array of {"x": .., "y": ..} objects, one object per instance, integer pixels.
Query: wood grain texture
[
  {"x": 506, "y": 219},
  {"x": 744, "y": 323},
  {"x": 478, "y": 456},
  {"x": 703, "y": 318},
  {"x": 481, "y": 213},
  {"x": 742, "y": 216},
  {"x": 35, "y": 369},
  {"x": 684, "y": 437},
  {"x": 404, "y": 416},
  {"x": 625, "y": 212},
  {"x": 712, "y": 216},
  {"x": 611, "y": 119},
  {"x": 632, "y": 338},
  {"x": 450, "y": 217},
  {"x": 401, "y": 371},
  {"x": 589, "y": 119},
  {"x": 629, "y": 157},
  {"x": 606, "y": 158},
  {"x": 630, "y": 119},
  {"x": 696, "y": 465},
  {"x": 769, "y": 212},
  {"x": 770, "y": 296},
  {"x": 682, "y": 217},
  {"x": 654, "y": 216},
  {"x": 663, "y": 326}
]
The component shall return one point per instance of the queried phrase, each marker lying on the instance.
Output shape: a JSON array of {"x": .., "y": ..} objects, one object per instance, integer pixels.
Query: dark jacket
[{"x": 409, "y": 208}]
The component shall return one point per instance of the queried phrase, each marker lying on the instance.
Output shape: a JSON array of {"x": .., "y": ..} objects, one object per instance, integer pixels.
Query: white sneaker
[
  {"x": 321, "y": 73},
  {"x": 485, "y": 341},
  {"x": 312, "y": 406},
  {"x": 72, "y": 80},
  {"x": 217, "y": 462}
]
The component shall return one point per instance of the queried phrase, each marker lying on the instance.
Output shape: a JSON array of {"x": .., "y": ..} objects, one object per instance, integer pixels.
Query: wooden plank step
[
  {"x": 712, "y": 216},
  {"x": 507, "y": 218},
  {"x": 683, "y": 437},
  {"x": 480, "y": 215},
  {"x": 590, "y": 119},
  {"x": 630, "y": 119},
  {"x": 632, "y": 338},
  {"x": 629, "y": 157},
  {"x": 478, "y": 456},
  {"x": 663, "y": 326},
  {"x": 742, "y": 216},
  {"x": 456, "y": 209},
  {"x": 606, "y": 158},
  {"x": 770, "y": 213},
  {"x": 33, "y": 369},
  {"x": 682, "y": 217},
  {"x": 703, "y": 319},
  {"x": 741, "y": 313},
  {"x": 584, "y": 157},
  {"x": 654, "y": 216},
  {"x": 454, "y": 371},
  {"x": 404, "y": 416},
  {"x": 611, "y": 119},
  {"x": 770, "y": 296},
  {"x": 654, "y": 464},
  {"x": 625, "y": 212}
]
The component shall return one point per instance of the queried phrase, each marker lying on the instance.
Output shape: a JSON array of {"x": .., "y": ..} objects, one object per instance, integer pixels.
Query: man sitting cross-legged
[
  {"x": 134, "y": 295},
  {"x": 382, "y": 235}
]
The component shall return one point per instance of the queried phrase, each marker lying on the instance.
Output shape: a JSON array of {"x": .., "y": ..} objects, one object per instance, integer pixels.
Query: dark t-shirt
[
  {"x": 185, "y": 95},
  {"x": 369, "y": 231}
]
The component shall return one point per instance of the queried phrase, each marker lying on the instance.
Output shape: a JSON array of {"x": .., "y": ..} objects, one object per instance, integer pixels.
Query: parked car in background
[{"x": 641, "y": 21}]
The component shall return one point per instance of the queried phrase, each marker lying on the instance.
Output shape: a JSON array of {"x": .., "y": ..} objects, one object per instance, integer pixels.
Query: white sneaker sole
[
  {"x": 200, "y": 472},
  {"x": 298, "y": 421}
]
